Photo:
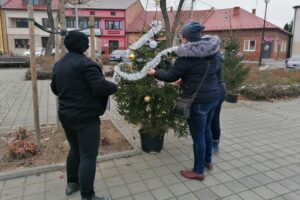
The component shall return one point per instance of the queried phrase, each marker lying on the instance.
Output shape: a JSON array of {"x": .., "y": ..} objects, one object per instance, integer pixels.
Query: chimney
[
  {"x": 254, "y": 11},
  {"x": 236, "y": 11},
  {"x": 171, "y": 8}
]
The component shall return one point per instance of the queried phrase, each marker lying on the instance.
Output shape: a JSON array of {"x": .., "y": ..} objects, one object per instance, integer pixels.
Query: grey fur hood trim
[{"x": 208, "y": 45}]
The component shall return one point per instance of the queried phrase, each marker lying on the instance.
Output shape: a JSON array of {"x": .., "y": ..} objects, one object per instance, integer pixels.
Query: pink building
[{"x": 111, "y": 19}]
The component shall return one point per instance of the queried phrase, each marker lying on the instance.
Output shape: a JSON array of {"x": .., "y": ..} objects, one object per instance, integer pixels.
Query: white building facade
[{"x": 18, "y": 31}]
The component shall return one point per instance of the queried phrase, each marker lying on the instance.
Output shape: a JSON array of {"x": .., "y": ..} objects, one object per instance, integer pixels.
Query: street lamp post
[{"x": 263, "y": 34}]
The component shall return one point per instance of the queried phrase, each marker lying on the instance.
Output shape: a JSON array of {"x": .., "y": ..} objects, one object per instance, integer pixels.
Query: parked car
[
  {"x": 293, "y": 62},
  {"x": 39, "y": 51},
  {"x": 117, "y": 55}
]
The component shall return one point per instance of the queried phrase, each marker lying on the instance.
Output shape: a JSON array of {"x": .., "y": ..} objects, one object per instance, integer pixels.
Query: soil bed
[{"x": 55, "y": 146}]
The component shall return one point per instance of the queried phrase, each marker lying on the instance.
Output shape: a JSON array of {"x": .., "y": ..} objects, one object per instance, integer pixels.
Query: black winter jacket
[
  {"x": 223, "y": 92},
  {"x": 81, "y": 88},
  {"x": 191, "y": 65}
]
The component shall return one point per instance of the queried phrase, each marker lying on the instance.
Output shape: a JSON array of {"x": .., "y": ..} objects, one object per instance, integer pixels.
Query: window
[
  {"x": 113, "y": 25},
  {"x": 97, "y": 23},
  {"x": 249, "y": 45},
  {"x": 71, "y": 22},
  {"x": 283, "y": 47},
  {"x": 46, "y": 22},
  {"x": 21, "y": 43},
  {"x": 83, "y": 22},
  {"x": 275, "y": 46},
  {"x": 21, "y": 23},
  {"x": 113, "y": 13},
  {"x": 34, "y": 2}
]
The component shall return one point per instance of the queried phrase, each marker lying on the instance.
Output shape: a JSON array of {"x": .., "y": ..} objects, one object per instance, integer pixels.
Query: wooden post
[
  {"x": 57, "y": 57},
  {"x": 33, "y": 76},
  {"x": 92, "y": 36}
]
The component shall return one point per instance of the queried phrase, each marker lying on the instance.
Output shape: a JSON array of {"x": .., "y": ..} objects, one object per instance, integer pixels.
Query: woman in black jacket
[
  {"x": 215, "y": 123},
  {"x": 82, "y": 93},
  {"x": 196, "y": 56}
]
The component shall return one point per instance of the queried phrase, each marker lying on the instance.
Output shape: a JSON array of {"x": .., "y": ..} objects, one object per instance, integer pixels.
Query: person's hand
[
  {"x": 177, "y": 83},
  {"x": 151, "y": 72}
]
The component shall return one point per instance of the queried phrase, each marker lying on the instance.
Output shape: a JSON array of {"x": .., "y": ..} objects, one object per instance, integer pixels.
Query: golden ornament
[
  {"x": 147, "y": 98},
  {"x": 157, "y": 2},
  {"x": 131, "y": 57}
]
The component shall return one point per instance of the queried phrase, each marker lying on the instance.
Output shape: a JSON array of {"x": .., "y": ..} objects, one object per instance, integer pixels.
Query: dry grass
[{"x": 271, "y": 84}]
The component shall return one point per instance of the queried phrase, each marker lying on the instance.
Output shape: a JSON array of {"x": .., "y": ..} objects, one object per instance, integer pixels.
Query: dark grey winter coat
[{"x": 191, "y": 65}]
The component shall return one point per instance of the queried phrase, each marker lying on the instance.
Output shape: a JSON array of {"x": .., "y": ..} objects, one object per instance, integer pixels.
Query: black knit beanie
[
  {"x": 191, "y": 31},
  {"x": 76, "y": 42}
]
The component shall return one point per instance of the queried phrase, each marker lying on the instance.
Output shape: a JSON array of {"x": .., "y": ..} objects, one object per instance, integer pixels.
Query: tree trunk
[
  {"x": 170, "y": 33},
  {"x": 51, "y": 39}
]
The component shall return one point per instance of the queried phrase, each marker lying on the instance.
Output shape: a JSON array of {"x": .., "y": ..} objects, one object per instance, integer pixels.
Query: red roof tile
[
  {"x": 220, "y": 20},
  {"x": 213, "y": 20},
  {"x": 145, "y": 18},
  {"x": 18, "y": 5}
]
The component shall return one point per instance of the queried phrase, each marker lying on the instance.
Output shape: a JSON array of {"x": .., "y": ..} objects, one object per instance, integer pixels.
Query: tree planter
[
  {"x": 151, "y": 143},
  {"x": 232, "y": 98}
]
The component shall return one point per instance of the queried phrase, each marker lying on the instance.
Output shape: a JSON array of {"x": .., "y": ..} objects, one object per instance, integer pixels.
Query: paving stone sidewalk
[{"x": 259, "y": 158}]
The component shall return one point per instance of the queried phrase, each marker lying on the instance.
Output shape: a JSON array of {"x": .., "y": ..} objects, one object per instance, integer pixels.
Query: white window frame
[{"x": 247, "y": 45}]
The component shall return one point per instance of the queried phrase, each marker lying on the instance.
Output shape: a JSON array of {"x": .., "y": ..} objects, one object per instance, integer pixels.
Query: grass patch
[{"x": 271, "y": 84}]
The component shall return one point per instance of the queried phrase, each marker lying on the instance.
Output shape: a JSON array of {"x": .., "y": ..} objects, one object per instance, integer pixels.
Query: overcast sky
[{"x": 279, "y": 11}]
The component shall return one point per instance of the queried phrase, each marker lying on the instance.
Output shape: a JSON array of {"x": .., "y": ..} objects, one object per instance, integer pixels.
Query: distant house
[
  {"x": 236, "y": 22},
  {"x": 296, "y": 32},
  {"x": 144, "y": 19},
  {"x": 111, "y": 20}
]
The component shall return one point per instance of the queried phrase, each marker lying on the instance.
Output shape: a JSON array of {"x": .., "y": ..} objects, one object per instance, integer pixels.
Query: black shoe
[
  {"x": 94, "y": 197},
  {"x": 71, "y": 188}
]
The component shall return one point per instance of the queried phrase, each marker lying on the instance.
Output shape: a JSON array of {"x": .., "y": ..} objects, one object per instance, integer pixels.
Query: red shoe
[
  {"x": 189, "y": 174},
  {"x": 208, "y": 166}
]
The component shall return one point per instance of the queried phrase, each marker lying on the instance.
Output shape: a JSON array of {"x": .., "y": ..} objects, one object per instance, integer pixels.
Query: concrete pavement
[{"x": 259, "y": 158}]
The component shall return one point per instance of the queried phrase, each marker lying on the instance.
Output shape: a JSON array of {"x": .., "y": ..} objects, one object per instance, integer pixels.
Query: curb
[{"x": 60, "y": 166}]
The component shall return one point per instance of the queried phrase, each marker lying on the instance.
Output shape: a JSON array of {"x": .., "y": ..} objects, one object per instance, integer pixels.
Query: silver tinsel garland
[
  {"x": 141, "y": 74},
  {"x": 118, "y": 74}
]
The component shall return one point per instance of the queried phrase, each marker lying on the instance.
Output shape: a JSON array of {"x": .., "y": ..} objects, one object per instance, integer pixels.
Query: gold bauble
[
  {"x": 147, "y": 98},
  {"x": 157, "y": 2},
  {"x": 131, "y": 57}
]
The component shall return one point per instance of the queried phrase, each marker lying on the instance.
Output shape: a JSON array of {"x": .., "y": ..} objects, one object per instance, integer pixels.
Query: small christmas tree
[
  {"x": 234, "y": 72},
  {"x": 148, "y": 102}
]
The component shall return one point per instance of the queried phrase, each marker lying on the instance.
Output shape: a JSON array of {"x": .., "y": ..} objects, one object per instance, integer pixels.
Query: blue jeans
[{"x": 199, "y": 125}]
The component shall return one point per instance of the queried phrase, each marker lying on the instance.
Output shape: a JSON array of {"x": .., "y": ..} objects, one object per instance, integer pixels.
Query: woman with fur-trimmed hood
[{"x": 196, "y": 56}]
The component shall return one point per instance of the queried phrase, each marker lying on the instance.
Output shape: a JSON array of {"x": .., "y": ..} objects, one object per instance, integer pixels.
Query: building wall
[
  {"x": 272, "y": 36},
  {"x": 23, "y": 33},
  {"x": 133, "y": 11},
  {"x": 106, "y": 35},
  {"x": 296, "y": 32}
]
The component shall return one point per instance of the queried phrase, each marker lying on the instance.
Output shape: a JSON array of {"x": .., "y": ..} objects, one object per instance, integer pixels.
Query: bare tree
[
  {"x": 51, "y": 40},
  {"x": 170, "y": 30}
]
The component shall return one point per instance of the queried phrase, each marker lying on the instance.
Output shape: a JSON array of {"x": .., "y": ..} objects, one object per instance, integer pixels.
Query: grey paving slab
[{"x": 259, "y": 157}]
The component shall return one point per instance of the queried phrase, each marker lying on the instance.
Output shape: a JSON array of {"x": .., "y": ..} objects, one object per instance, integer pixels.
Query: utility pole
[{"x": 192, "y": 10}]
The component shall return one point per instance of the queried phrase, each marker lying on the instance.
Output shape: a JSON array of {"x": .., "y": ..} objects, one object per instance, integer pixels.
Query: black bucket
[{"x": 151, "y": 143}]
